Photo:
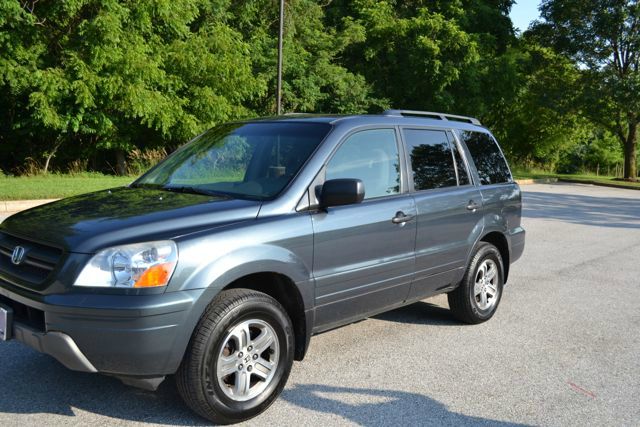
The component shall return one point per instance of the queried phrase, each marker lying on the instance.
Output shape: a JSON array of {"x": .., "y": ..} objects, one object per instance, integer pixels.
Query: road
[{"x": 563, "y": 348}]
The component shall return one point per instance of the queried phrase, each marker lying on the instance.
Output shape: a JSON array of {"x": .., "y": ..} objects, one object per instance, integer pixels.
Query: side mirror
[{"x": 339, "y": 192}]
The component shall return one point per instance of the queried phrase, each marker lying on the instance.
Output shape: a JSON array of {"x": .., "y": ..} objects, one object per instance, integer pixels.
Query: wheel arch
[
  {"x": 282, "y": 289},
  {"x": 499, "y": 240},
  {"x": 271, "y": 269}
]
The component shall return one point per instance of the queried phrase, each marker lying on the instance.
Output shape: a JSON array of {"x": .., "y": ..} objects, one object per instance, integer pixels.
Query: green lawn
[
  {"x": 54, "y": 186},
  {"x": 589, "y": 179}
]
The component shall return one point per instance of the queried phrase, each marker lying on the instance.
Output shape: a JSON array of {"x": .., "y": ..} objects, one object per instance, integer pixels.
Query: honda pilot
[{"x": 219, "y": 264}]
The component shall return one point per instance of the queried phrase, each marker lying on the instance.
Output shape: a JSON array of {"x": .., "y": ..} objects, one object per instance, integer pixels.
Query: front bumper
[
  {"x": 56, "y": 344},
  {"x": 122, "y": 335}
]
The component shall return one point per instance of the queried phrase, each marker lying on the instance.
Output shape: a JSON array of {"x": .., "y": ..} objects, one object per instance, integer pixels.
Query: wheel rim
[
  {"x": 485, "y": 289},
  {"x": 248, "y": 360}
]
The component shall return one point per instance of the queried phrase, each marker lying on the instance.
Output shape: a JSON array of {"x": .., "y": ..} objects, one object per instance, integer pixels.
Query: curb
[
  {"x": 11, "y": 206},
  {"x": 600, "y": 184},
  {"x": 573, "y": 181},
  {"x": 536, "y": 181}
]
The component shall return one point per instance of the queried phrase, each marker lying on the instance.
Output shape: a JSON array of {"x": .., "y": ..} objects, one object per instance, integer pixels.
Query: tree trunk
[
  {"x": 630, "y": 153},
  {"x": 50, "y": 156},
  {"x": 45, "y": 170},
  {"x": 121, "y": 163}
]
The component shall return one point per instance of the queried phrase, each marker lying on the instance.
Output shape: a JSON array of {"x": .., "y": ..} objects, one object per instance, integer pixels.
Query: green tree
[
  {"x": 599, "y": 151},
  {"x": 412, "y": 52},
  {"x": 539, "y": 123},
  {"x": 113, "y": 75},
  {"x": 313, "y": 78},
  {"x": 603, "y": 37},
  {"x": 98, "y": 78}
]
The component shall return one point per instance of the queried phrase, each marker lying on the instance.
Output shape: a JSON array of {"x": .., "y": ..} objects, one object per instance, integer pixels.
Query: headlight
[{"x": 143, "y": 265}]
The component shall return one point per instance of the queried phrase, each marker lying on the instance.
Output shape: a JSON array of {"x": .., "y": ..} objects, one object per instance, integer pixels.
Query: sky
[{"x": 523, "y": 12}]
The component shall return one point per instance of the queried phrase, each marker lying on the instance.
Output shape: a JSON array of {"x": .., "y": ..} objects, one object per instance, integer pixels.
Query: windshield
[{"x": 252, "y": 160}]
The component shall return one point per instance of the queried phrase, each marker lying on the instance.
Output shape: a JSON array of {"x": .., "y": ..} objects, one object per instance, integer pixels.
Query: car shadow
[
  {"x": 420, "y": 313},
  {"x": 616, "y": 212},
  {"x": 373, "y": 407},
  {"x": 33, "y": 383}
]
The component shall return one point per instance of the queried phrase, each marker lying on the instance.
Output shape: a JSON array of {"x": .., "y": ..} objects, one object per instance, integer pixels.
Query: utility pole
[{"x": 279, "y": 86}]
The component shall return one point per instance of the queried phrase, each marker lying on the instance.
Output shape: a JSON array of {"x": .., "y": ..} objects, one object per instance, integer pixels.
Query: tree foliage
[
  {"x": 96, "y": 75},
  {"x": 108, "y": 74},
  {"x": 411, "y": 53},
  {"x": 603, "y": 37},
  {"x": 540, "y": 122},
  {"x": 93, "y": 80}
]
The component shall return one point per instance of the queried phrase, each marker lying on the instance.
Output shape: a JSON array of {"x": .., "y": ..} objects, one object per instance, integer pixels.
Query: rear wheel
[
  {"x": 479, "y": 293},
  {"x": 239, "y": 357}
]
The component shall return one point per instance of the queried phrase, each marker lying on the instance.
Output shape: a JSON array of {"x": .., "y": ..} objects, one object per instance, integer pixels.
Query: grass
[
  {"x": 586, "y": 178},
  {"x": 55, "y": 186}
]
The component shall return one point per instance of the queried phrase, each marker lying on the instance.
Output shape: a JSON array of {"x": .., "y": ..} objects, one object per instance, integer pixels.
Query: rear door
[
  {"x": 363, "y": 261},
  {"x": 500, "y": 195},
  {"x": 449, "y": 209}
]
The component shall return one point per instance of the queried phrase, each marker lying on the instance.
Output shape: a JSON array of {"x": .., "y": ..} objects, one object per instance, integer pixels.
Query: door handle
[
  {"x": 472, "y": 206},
  {"x": 401, "y": 218}
]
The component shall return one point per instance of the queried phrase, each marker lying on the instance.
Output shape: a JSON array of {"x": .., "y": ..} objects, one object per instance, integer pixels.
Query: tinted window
[
  {"x": 491, "y": 165},
  {"x": 255, "y": 160},
  {"x": 463, "y": 175},
  {"x": 431, "y": 159},
  {"x": 371, "y": 156}
]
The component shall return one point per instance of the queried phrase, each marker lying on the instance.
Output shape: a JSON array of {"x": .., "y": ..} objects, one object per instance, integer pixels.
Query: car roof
[{"x": 389, "y": 117}]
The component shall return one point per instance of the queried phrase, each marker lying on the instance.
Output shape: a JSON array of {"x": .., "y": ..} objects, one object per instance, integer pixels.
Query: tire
[
  {"x": 471, "y": 302},
  {"x": 222, "y": 377}
]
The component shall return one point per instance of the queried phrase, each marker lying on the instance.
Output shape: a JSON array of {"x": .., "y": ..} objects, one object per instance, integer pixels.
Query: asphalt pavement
[{"x": 562, "y": 350}]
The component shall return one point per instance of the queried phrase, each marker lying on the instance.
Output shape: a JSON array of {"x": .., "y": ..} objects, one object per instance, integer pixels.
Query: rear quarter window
[{"x": 490, "y": 163}]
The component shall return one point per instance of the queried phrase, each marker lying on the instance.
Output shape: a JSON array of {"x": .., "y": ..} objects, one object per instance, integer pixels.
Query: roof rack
[{"x": 440, "y": 116}]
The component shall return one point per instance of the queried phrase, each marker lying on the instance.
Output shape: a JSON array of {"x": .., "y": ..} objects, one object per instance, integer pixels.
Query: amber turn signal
[{"x": 158, "y": 275}]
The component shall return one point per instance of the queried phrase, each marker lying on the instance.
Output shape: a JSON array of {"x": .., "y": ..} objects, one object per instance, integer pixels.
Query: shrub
[{"x": 140, "y": 161}]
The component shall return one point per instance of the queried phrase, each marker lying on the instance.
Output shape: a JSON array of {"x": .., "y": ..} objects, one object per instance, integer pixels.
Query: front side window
[
  {"x": 490, "y": 163},
  {"x": 252, "y": 160},
  {"x": 431, "y": 159},
  {"x": 371, "y": 156}
]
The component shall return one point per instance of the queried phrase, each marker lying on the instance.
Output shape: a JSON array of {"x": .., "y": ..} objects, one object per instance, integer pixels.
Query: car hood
[{"x": 93, "y": 221}]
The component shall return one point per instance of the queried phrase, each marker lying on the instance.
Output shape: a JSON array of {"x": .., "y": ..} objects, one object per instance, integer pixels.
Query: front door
[{"x": 363, "y": 261}]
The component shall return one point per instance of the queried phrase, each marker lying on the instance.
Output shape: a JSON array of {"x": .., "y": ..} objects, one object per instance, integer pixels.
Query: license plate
[{"x": 6, "y": 317}]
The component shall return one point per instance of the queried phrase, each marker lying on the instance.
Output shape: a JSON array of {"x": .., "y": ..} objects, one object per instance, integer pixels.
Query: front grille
[{"x": 37, "y": 264}]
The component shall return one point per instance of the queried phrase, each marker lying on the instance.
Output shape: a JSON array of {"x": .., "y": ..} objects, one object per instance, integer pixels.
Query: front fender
[
  {"x": 227, "y": 269},
  {"x": 211, "y": 261},
  {"x": 256, "y": 259}
]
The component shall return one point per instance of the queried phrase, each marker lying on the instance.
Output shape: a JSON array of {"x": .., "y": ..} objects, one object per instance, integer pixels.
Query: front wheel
[
  {"x": 239, "y": 357},
  {"x": 479, "y": 293}
]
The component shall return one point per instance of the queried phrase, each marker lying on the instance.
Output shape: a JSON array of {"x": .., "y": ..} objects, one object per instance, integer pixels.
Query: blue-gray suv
[{"x": 221, "y": 262}]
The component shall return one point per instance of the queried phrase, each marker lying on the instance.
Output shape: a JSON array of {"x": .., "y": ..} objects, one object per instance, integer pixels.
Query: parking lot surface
[{"x": 563, "y": 348}]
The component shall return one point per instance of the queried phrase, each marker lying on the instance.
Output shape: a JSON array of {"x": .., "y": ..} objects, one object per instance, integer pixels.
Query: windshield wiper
[{"x": 195, "y": 190}]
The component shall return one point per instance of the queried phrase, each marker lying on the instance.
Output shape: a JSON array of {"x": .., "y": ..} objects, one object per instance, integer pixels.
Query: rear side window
[
  {"x": 372, "y": 156},
  {"x": 490, "y": 163},
  {"x": 431, "y": 159}
]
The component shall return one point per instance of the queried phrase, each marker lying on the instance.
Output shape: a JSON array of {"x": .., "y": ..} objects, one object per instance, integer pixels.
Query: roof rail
[{"x": 440, "y": 116}]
